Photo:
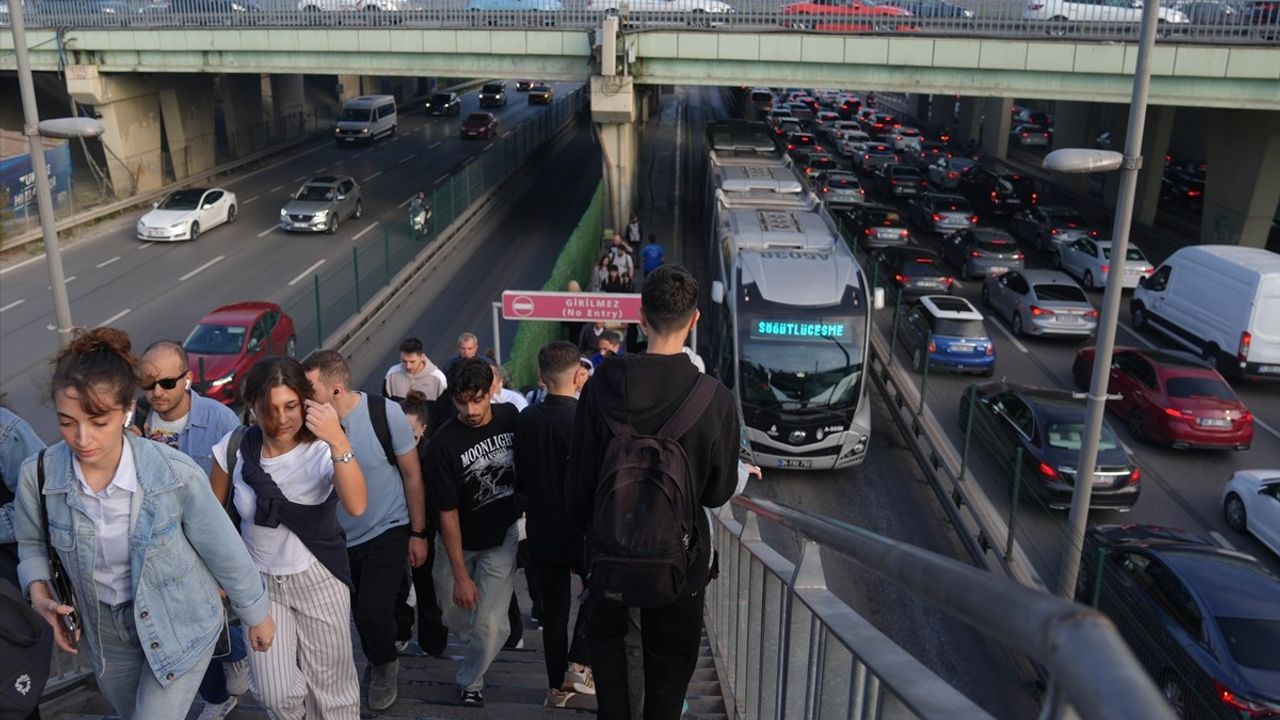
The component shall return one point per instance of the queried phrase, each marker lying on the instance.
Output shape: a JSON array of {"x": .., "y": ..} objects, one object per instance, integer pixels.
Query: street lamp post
[
  {"x": 1070, "y": 160},
  {"x": 34, "y": 129}
]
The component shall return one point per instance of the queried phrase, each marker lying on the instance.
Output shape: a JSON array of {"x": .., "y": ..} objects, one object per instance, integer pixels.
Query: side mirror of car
[
  {"x": 717, "y": 292},
  {"x": 155, "y": 204},
  {"x": 342, "y": 197},
  {"x": 208, "y": 204}
]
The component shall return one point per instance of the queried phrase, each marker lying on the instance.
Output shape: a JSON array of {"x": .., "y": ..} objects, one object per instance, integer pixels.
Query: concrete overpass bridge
[{"x": 125, "y": 66}]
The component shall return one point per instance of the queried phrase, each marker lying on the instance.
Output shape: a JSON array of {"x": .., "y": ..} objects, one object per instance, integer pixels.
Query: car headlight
[
  {"x": 322, "y": 214},
  {"x": 364, "y": 130},
  {"x": 223, "y": 380},
  {"x": 283, "y": 213},
  {"x": 178, "y": 226}
]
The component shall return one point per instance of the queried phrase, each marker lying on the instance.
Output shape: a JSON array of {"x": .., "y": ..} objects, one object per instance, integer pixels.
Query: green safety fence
[{"x": 574, "y": 263}]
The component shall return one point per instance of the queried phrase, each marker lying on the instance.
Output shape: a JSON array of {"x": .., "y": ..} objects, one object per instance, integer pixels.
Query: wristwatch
[
  {"x": 419, "y": 533},
  {"x": 345, "y": 457}
]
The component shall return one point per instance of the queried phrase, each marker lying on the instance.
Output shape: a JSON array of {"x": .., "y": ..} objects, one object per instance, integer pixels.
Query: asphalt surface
[{"x": 160, "y": 290}]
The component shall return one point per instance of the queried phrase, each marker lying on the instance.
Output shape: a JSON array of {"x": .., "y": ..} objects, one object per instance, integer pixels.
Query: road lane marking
[
  {"x": 246, "y": 202},
  {"x": 24, "y": 263},
  {"x": 105, "y": 263},
  {"x": 306, "y": 272},
  {"x": 406, "y": 159},
  {"x": 435, "y": 145},
  {"x": 202, "y": 268},
  {"x": 277, "y": 188},
  {"x": 367, "y": 179},
  {"x": 407, "y": 201},
  {"x": 12, "y": 305},
  {"x": 506, "y": 134},
  {"x": 1275, "y": 433},
  {"x": 266, "y": 232},
  {"x": 320, "y": 169},
  {"x": 1000, "y": 326},
  {"x": 487, "y": 148},
  {"x": 356, "y": 155},
  {"x": 441, "y": 179},
  {"x": 68, "y": 281},
  {"x": 468, "y": 160},
  {"x": 1133, "y": 333},
  {"x": 362, "y": 232},
  {"x": 1217, "y": 537},
  {"x": 113, "y": 318},
  {"x": 299, "y": 179},
  {"x": 145, "y": 245}
]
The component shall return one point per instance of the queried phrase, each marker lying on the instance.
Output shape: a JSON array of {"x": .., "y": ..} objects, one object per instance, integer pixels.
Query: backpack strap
[
  {"x": 381, "y": 428},
  {"x": 233, "y": 451},
  {"x": 44, "y": 512},
  {"x": 694, "y": 405}
]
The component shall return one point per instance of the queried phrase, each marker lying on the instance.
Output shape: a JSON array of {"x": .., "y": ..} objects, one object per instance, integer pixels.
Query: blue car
[
  {"x": 947, "y": 331},
  {"x": 513, "y": 12}
]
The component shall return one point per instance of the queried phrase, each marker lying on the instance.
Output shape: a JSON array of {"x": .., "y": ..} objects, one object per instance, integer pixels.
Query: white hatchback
[
  {"x": 1120, "y": 12},
  {"x": 1251, "y": 503}
]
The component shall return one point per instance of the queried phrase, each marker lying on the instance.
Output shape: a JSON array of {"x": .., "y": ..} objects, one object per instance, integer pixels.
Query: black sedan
[
  {"x": 444, "y": 103},
  {"x": 1204, "y": 620},
  {"x": 1048, "y": 426},
  {"x": 912, "y": 270},
  {"x": 541, "y": 95}
]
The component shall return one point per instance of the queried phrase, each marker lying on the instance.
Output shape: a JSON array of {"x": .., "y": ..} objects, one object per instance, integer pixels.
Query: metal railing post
[
  {"x": 924, "y": 371},
  {"x": 968, "y": 428},
  {"x": 355, "y": 271},
  {"x": 1013, "y": 507},
  {"x": 893, "y": 329},
  {"x": 386, "y": 254},
  {"x": 1096, "y": 596},
  {"x": 319, "y": 325}
]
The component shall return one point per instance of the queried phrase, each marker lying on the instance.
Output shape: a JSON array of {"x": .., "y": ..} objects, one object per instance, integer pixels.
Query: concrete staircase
[{"x": 515, "y": 688}]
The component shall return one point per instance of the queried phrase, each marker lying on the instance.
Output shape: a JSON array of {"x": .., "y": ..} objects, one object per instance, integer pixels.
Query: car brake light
[
  {"x": 1037, "y": 311},
  {"x": 866, "y": 156},
  {"x": 1193, "y": 193},
  {"x": 953, "y": 174},
  {"x": 1018, "y": 256},
  {"x": 1135, "y": 476},
  {"x": 936, "y": 217},
  {"x": 948, "y": 280},
  {"x": 1148, "y": 271},
  {"x": 1093, "y": 233},
  {"x": 900, "y": 278},
  {"x": 1105, "y": 268},
  {"x": 1026, "y": 134},
  {"x": 993, "y": 196},
  {"x": 1054, "y": 231},
  {"x": 790, "y": 146},
  {"x": 975, "y": 253},
  {"x": 868, "y": 231},
  {"x": 1242, "y": 352},
  {"x": 1047, "y": 471},
  {"x": 1034, "y": 198},
  {"x": 826, "y": 189},
  {"x": 933, "y": 346},
  {"x": 1091, "y": 314},
  {"x": 893, "y": 182},
  {"x": 1175, "y": 413},
  {"x": 973, "y": 219},
  {"x": 991, "y": 349},
  {"x": 903, "y": 233},
  {"x": 1246, "y": 417}
]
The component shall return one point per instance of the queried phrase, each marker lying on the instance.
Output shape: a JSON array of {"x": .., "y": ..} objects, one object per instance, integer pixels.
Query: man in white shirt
[{"x": 415, "y": 371}]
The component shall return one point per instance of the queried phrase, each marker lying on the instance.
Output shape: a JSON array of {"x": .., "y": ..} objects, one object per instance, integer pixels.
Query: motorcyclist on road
[{"x": 419, "y": 212}]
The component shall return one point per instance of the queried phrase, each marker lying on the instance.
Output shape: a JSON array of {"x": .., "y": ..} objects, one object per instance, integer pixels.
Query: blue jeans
[
  {"x": 213, "y": 688},
  {"x": 483, "y": 630},
  {"x": 126, "y": 678}
]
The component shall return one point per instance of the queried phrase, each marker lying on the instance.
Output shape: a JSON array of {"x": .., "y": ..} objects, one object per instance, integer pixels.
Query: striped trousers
[{"x": 310, "y": 672}]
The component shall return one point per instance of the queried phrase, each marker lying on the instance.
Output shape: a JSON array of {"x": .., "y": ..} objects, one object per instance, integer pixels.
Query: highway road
[{"x": 160, "y": 290}]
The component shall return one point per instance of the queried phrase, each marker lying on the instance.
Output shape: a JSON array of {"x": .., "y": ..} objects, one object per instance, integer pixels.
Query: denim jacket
[
  {"x": 17, "y": 443},
  {"x": 208, "y": 422},
  {"x": 182, "y": 548}
]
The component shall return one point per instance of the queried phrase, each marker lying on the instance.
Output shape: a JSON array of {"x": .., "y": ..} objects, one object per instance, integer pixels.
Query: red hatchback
[
  {"x": 1172, "y": 398},
  {"x": 229, "y": 340}
]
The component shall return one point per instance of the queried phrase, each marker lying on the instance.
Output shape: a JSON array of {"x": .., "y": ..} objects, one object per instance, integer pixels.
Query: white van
[
  {"x": 1221, "y": 301},
  {"x": 365, "y": 119}
]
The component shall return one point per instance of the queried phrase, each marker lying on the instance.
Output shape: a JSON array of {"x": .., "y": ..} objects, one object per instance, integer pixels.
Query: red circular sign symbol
[{"x": 522, "y": 305}]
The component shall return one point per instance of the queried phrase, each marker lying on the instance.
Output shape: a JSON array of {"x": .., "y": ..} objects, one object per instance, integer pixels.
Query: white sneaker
[
  {"x": 401, "y": 646},
  {"x": 237, "y": 674},
  {"x": 580, "y": 682},
  {"x": 219, "y": 711}
]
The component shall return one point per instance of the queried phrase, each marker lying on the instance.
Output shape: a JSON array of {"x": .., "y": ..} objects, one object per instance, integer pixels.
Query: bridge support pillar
[
  {"x": 188, "y": 112},
  {"x": 1242, "y": 187},
  {"x": 613, "y": 110},
  {"x": 1074, "y": 126},
  {"x": 130, "y": 111},
  {"x": 242, "y": 112},
  {"x": 969, "y": 124},
  {"x": 288, "y": 95},
  {"x": 995, "y": 127},
  {"x": 918, "y": 105},
  {"x": 1155, "y": 144},
  {"x": 942, "y": 112}
]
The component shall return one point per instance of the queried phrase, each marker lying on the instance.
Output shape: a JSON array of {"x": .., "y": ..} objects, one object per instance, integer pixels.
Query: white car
[
  {"x": 184, "y": 214},
  {"x": 836, "y": 130},
  {"x": 1251, "y": 502},
  {"x": 851, "y": 142},
  {"x": 1089, "y": 260},
  {"x": 696, "y": 9},
  {"x": 1129, "y": 12},
  {"x": 907, "y": 139}
]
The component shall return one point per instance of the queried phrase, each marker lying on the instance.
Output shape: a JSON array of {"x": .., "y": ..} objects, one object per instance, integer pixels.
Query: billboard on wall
[{"x": 17, "y": 177}]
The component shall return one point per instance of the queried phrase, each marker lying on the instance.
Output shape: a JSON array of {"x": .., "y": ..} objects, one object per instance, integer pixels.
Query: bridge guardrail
[
  {"x": 793, "y": 649},
  {"x": 1253, "y": 22}
]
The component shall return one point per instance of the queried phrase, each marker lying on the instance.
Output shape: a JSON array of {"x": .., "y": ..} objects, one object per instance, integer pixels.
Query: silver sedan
[
  {"x": 1090, "y": 260},
  {"x": 1040, "y": 302}
]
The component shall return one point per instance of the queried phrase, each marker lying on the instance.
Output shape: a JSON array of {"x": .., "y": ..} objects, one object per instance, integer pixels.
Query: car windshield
[
  {"x": 1132, "y": 253},
  {"x": 355, "y": 115},
  {"x": 1071, "y": 219},
  {"x": 997, "y": 246},
  {"x": 492, "y": 88},
  {"x": 1014, "y": 184},
  {"x": 922, "y": 266},
  {"x": 907, "y": 173},
  {"x": 541, "y": 88},
  {"x": 1060, "y": 293},
  {"x": 880, "y": 150},
  {"x": 798, "y": 375},
  {"x": 1200, "y": 387},
  {"x": 960, "y": 328},
  {"x": 962, "y": 164},
  {"x": 477, "y": 118},
  {"x": 842, "y": 181},
  {"x": 821, "y": 161},
  {"x": 215, "y": 339},
  {"x": 182, "y": 200},
  {"x": 1067, "y": 436},
  {"x": 952, "y": 204},
  {"x": 882, "y": 217},
  {"x": 315, "y": 193},
  {"x": 1252, "y": 642},
  {"x": 440, "y": 99}
]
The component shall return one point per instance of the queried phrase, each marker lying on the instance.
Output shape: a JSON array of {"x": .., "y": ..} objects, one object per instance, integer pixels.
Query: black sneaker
[{"x": 471, "y": 698}]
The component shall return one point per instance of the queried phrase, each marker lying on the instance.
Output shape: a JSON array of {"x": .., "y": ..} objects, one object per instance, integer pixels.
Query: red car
[
  {"x": 1172, "y": 398},
  {"x": 229, "y": 340},
  {"x": 479, "y": 126},
  {"x": 845, "y": 16}
]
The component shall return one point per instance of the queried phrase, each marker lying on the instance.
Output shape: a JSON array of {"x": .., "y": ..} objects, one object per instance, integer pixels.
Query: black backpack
[
  {"x": 377, "y": 417},
  {"x": 643, "y": 536},
  {"x": 26, "y": 644}
]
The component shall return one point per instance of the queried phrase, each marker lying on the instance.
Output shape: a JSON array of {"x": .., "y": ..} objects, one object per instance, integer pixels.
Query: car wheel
[
  {"x": 1016, "y": 322},
  {"x": 986, "y": 295},
  {"x": 1234, "y": 512},
  {"x": 1088, "y": 280},
  {"x": 393, "y": 131},
  {"x": 195, "y": 230},
  {"x": 1139, "y": 317},
  {"x": 332, "y": 227},
  {"x": 359, "y": 210},
  {"x": 1138, "y": 425},
  {"x": 1174, "y": 693},
  {"x": 291, "y": 347}
]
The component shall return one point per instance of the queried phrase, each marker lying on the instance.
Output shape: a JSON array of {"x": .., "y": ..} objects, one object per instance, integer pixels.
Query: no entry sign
[{"x": 536, "y": 305}]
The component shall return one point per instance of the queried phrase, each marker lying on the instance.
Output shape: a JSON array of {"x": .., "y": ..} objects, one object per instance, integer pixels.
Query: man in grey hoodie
[{"x": 415, "y": 371}]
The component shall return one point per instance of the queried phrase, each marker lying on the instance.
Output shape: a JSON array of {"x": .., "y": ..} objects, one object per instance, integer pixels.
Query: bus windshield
[{"x": 787, "y": 365}]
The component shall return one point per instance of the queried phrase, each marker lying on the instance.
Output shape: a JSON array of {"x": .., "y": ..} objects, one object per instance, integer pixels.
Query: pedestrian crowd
[{"x": 186, "y": 550}]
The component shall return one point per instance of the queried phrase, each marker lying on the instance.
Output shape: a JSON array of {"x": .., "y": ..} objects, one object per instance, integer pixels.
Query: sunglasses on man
[{"x": 168, "y": 383}]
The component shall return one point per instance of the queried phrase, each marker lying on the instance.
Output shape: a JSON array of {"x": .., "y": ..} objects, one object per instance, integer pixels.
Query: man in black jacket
[
  {"x": 555, "y": 552},
  {"x": 643, "y": 391}
]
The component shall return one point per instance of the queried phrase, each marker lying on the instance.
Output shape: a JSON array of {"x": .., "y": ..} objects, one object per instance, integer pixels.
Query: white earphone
[{"x": 188, "y": 384}]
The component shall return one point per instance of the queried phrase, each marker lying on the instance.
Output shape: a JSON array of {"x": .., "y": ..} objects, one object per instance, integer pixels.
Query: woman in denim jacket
[{"x": 144, "y": 542}]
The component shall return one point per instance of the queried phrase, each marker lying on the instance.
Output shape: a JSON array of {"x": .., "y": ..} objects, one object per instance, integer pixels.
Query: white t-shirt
[
  {"x": 507, "y": 395},
  {"x": 305, "y": 476},
  {"x": 166, "y": 431}
]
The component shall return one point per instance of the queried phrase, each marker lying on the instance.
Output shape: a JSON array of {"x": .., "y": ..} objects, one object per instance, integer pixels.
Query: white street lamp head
[
  {"x": 1081, "y": 160},
  {"x": 77, "y": 127}
]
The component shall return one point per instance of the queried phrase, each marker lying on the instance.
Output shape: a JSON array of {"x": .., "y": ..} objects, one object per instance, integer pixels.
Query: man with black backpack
[
  {"x": 392, "y": 529},
  {"x": 654, "y": 443}
]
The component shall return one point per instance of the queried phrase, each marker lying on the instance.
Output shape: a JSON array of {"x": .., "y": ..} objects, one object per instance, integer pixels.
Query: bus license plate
[{"x": 790, "y": 463}]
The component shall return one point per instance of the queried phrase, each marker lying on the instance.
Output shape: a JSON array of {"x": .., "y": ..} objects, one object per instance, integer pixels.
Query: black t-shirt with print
[{"x": 472, "y": 470}]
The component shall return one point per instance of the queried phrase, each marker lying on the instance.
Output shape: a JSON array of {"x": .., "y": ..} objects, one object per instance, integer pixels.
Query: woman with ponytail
[{"x": 143, "y": 542}]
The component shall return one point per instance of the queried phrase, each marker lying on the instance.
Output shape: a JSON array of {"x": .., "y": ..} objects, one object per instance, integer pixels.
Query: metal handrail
[{"x": 1089, "y": 665}]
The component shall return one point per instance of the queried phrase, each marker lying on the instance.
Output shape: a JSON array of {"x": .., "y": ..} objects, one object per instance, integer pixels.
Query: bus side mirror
[
  {"x": 717, "y": 292},
  {"x": 877, "y": 301}
]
